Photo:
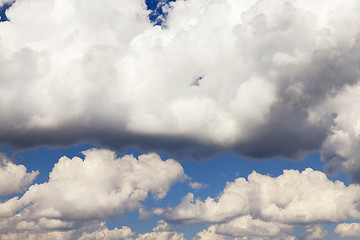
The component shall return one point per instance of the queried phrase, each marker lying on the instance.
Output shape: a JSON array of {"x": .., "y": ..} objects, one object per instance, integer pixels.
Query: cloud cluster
[
  {"x": 163, "y": 231},
  {"x": 263, "y": 206},
  {"x": 14, "y": 178},
  {"x": 255, "y": 77},
  {"x": 348, "y": 230},
  {"x": 79, "y": 191}
]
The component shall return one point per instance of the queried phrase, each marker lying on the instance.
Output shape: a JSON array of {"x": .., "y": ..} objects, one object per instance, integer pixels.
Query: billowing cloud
[
  {"x": 316, "y": 232},
  {"x": 246, "y": 226},
  {"x": 79, "y": 191},
  {"x": 255, "y": 77},
  {"x": 14, "y": 178},
  {"x": 106, "y": 234},
  {"x": 163, "y": 231},
  {"x": 348, "y": 230},
  {"x": 291, "y": 198}
]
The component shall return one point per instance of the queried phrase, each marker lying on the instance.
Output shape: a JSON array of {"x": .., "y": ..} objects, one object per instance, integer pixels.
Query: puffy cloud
[
  {"x": 250, "y": 76},
  {"x": 100, "y": 186},
  {"x": 348, "y": 230},
  {"x": 161, "y": 232},
  {"x": 340, "y": 149},
  {"x": 106, "y": 234},
  {"x": 246, "y": 226},
  {"x": 291, "y": 198},
  {"x": 14, "y": 178},
  {"x": 316, "y": 232}
]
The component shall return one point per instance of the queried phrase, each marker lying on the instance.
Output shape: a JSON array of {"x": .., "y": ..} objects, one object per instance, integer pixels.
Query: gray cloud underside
[{"x": 277, "y": 79}]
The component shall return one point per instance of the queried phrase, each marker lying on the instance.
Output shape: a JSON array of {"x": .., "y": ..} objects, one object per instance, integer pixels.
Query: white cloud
[
  {"x": 348, "y": 230},
  {"x": 246, "y": 226},
  {"x": 316, "y": 232},
  {"x": 197, "y": 185},
  {"x": 291, "y": 198},
  {"x": 161, "y": 232},
  {"x": 14, "y": 178},
  {"x": 105, "y": 234},
  {"x": 97, "y": 187},
  {"x": 340, "y": 149},
  {"x": 265, "y": 66}
]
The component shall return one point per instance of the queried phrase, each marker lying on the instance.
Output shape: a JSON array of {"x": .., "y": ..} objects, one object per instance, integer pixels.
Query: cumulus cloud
[
  {"x": 316, "y": 232},
  {"x": 291, "y": 198},
  {"x": 106, "y": 234},
  {"x": 265, "y": 74},
  {"x": 100, "y": 186},
  {"x": 348, "y": 230},
  {"x": 163, "y": 231},
  {"x": 14, "y": 178},
  {"x": 248, "y": 227}
]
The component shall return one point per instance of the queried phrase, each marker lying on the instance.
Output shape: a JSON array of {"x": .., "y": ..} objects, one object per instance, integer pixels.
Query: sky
[{"x": 179, "y": 120}]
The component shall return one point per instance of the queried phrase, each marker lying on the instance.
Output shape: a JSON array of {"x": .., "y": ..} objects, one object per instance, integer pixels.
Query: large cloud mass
[
  {"x": 256, "y": 77},
  {"x": 291, "y": 198}
]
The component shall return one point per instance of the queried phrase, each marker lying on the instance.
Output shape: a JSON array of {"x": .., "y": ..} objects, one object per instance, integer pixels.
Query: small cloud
[{"x": 196, "y": 185}]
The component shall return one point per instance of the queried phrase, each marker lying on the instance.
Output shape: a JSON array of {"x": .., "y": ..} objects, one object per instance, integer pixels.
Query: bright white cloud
[
  {"x": 249, "y": 76},
  {"x": 293, "y": 197},
  {"x": 348, "y": 230},
  {"x": 99, "y": 186},
  {"x": 14, "y": 178}
]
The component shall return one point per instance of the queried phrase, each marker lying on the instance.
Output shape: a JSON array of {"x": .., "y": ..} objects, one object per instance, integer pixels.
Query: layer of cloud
[
  {"x": 163, "y": 231},
  {"x": 264, "y": 73},
  {"x": 98, "y": 187},
  {"x": 291, "y": 198},
  {"x": 14, "y": 178}
]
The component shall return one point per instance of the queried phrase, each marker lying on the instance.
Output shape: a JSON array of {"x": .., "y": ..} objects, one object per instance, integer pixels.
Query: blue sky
[{"x": 195, "y": 119}]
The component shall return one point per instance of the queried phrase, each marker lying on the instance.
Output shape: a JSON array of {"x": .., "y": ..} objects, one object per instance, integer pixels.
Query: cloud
[
  {"x": 316, "y": 232},
  {"x": 163, "y": 231},
  {"x": 3, "y": 2},
  {"x": 14, "y": 178},
  {"x": 348, "y": 230},
  {"x": 246, "y": 226},
  {"x": 197, "y": 185},
  {"x": 98, "y": 187},
  {"x": 268, "y": 74},
  {"x": 291, "y": 198},
  {"x": 106, "y": 234}
]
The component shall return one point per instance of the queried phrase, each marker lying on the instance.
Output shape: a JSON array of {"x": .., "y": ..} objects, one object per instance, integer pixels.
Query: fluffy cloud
[
  {"x": 348, "y": 230},
  {"x": 161, "y": 232},
  {"x": 246, "y": 226},
  {"x": 291, "y": 198},
  {"x": 106, "y": 234},
  {"x": 14, "y": 178},
  {"x": 316, "y": 232},
  {"x": 97, "y": 187},
  {"x": 256, "y": 77},
  {"x": 340, "y": 149}
]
